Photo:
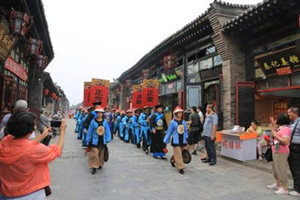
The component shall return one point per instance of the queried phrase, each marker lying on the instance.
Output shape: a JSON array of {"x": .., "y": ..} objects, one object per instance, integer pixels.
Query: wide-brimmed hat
[
  {"x": 145, "y": 107},
  {"x": 177, "y": 110},
  {"x": 99, "y": 109},
  {"x": 186, "y": 156}
]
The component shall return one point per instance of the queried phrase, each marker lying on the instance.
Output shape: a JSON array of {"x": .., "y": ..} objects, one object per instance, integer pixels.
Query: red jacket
[{"x": 24, "y": 166}]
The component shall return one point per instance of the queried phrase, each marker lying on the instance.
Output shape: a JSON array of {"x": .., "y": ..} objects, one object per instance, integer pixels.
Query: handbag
[
  {"x": 48, "y": 191},
  {"x": 106, "y": 154},
  {"x": 268, "y": 154}
]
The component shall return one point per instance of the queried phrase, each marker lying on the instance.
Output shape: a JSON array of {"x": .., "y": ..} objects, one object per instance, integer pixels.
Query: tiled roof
[
  {"x": 175, "y": 39},
  {"x": 252, "y": 12}
]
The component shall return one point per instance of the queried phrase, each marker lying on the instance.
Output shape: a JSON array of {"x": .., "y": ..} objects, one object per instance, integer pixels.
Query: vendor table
[{"x": 239, "y": 147}]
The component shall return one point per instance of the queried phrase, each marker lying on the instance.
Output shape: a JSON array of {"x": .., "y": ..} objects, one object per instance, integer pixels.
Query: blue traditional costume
[
  {"x": 158, "y": 127},
  {"x": 121, "y": 125},
  {"x": 136, "y": 132},
  {"x": 97, "y": 137},
  {"x": 127, "y": 126},
  {"x": 179, "y": 133},
  {"x": 144, "y": 122}
]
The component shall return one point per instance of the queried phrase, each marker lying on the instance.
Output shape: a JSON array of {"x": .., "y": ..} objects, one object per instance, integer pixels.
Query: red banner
[
  {"x": 87, "y": 97},
  {"x": 150, "y": 96},
  {"x": 16, "y": 68},
  {"x": 137, "y": 100},
  {"x": 99, "y": 93}
]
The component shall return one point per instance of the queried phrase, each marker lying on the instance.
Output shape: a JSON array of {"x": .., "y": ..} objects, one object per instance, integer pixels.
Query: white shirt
[{"x": 201, "y": 117}]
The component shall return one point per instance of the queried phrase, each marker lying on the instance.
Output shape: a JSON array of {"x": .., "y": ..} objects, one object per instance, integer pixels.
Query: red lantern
[
  {"x": 54, "y": 96},
  {"x": 20, "y": 23},
  {"x": 46, "y": 91}
]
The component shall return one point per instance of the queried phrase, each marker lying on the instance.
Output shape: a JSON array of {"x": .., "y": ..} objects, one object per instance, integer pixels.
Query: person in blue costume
[
  {"x": 144, "y": 122},
  {"x": 77, "y": 113},
  {"x": 97, "y": 137},
  {"x": 178, "y": 132},
  {"x": 117, "y": 119},
  {"x": 121, "y": 125},
  {"x": 158, "y": 126},
  {"x": 127, "y": 126},
  {"x": 92, "y": 115},
  {"x": 136, "y": 132},
  {"x": 83, "y": 130},
  {"x": 109, "y": 118},
  {"x": 79, "y": 122}
]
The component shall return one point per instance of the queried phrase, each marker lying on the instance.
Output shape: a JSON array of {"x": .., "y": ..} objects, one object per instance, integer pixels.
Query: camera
[{"x": 55, "y": 123}]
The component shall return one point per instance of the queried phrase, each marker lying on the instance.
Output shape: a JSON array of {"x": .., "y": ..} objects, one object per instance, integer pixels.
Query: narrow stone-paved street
[{"x": 130, "y": 174}]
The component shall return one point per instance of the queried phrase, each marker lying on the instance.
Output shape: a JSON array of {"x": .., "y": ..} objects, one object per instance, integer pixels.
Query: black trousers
[
  {"x": 210, "y": 149},
  {"x": 294, "y": 162}
]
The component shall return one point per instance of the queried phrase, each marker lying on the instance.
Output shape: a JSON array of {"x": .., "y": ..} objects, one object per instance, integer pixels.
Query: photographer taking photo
[{"x": 24, "y": 167}]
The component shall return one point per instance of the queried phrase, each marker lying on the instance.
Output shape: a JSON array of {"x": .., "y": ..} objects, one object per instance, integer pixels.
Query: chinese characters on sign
[
  {"x": 229, "y": 144},
  {"x": 137, "y": 96},
  {"x": 16, "y": 68},
  {"x": 150, "y": 92},
  {"x": 87, "y": 94},
  {"x": 6, "y": 42},
  {"x": 99, "y": 93},
  {"x": 282, "y": 62}
]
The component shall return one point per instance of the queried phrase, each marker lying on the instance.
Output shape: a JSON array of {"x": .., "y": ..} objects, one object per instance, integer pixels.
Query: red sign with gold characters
[
  {"x": 16, "y": 68},
  {"x": 87, "y": 94},
  {"x": 99, "y": 93},
  {"x": 150, "y": 92},
  {"x": 137, "y": 100}
]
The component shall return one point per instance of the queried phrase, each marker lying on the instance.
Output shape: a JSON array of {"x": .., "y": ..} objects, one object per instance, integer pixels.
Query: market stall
[{"x": 238, "y": 145}]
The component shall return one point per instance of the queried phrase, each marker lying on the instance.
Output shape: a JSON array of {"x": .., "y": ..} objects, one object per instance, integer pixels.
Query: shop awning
[{"x": 292, "y": 92}]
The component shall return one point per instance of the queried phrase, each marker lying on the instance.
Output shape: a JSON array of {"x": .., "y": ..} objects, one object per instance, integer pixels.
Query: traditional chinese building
[
  {"x": 25, "y": 51},
  {"x": 269, "y": 38},
  {"x": 191, "y": 65}
]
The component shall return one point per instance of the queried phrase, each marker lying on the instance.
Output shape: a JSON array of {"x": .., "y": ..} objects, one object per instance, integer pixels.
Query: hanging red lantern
[
  {"x": 46, "y": 91},
  {"x": 54, "y": 96},
  {"x": 20, "y": 23}
]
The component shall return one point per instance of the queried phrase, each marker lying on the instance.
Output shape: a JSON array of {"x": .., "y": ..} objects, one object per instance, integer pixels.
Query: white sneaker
[
  {"x": 273, "y": 187},
  {"x": 281, "y": 191},
  {"x": 294, "y": 194},
  {"x": 260, "y": 158}
]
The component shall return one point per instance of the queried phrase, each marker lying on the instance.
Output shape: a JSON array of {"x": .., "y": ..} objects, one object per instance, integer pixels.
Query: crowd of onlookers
[{"x": 284, "y": 149}]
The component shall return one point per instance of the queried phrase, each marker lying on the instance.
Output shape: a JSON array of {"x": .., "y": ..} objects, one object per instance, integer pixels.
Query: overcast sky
[{"x": 102, "y": 39}]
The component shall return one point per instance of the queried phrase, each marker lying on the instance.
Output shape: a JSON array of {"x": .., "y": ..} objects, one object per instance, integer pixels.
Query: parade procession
[{"x": 143, "y": 125}]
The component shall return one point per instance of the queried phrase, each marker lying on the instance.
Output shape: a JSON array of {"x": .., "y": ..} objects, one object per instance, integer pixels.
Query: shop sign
[
  {"x": 231, "y": 144},
  {"x": 169, "y": 76},
  {"x": 16, "y": 68},
  {"x": 282, "y": 62},
  {"x": 211, "y": 73},
  {"x": 6, "y": 41}
]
